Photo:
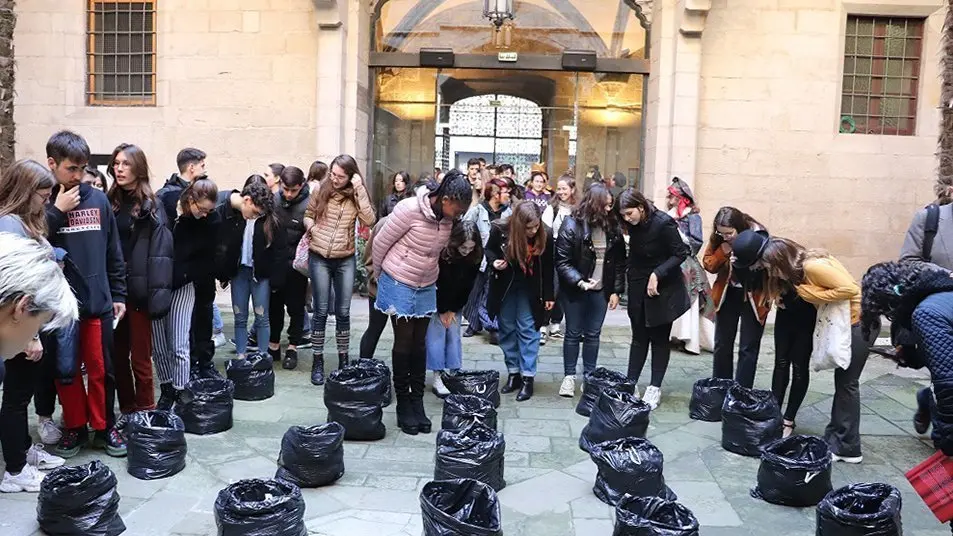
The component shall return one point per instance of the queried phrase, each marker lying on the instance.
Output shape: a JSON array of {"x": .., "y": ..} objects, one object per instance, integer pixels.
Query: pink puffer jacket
[{"x": 409, "y": 243}]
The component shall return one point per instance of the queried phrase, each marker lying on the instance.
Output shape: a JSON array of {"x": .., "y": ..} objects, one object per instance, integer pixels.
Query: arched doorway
[{"x": 580, "y": 120}]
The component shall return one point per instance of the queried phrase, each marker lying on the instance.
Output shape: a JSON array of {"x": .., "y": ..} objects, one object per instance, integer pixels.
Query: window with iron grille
[
  {"x": 881, "y": 75},
  {"x": 121, "y": 53}
]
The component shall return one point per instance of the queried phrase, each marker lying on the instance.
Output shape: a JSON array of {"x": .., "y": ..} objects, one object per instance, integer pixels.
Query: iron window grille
[
  {"x": 881, "y": 75},
  {"x": 121, "y": 53}
]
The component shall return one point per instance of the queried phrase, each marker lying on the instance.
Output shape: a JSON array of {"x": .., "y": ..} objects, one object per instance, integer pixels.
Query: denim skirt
[{"x": 397, "y": 299}]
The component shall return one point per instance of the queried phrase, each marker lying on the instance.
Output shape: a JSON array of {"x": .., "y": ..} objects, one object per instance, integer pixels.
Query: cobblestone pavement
[{"x": 549, "y": 479}]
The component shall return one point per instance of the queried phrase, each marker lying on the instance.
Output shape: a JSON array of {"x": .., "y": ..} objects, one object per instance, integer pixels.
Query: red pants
[
  {"x": 134, "y": 379},
  {"x": 79, "y": 407}
]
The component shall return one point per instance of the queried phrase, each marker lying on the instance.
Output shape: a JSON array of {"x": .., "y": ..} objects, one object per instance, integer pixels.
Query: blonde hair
[{"x": 27, "y": 269}]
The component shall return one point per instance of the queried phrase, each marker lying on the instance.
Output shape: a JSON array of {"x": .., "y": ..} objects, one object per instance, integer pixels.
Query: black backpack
[{"x": 901, "y": 338}]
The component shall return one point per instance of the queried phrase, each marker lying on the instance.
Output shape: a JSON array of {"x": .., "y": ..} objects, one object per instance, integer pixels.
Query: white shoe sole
[
  {"x": 853, "y": 460},
  {"x": 18, "y": 488},
  {"x": 48, "y": 466}
]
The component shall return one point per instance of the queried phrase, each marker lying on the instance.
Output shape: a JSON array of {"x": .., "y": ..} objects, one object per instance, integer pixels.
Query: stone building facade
[{"x": 744, "y": 99}]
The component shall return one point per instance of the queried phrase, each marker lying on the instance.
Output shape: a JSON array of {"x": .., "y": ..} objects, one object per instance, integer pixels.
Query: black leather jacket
[{"x": 575, "y": 258}]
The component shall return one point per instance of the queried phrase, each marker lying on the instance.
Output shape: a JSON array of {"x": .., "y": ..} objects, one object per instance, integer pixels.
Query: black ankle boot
[
  {"x": 343, "y": 360},
  {"x": 167, "y": 397},
  {"x": 526, "y": 392},
  {"x": 317, "y": 370},
  {"x": 513, "y": 383},
  {"x": 418, "y": 384},
  {"x": 405, "y": 415}
]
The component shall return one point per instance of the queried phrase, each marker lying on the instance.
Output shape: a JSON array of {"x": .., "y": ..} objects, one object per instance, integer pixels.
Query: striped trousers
[{"x": 170, "y": 339}]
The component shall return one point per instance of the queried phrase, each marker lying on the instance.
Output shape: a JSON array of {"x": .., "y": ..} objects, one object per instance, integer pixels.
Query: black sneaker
[
  {"x": 921, "y": 419},
  {"x": 73, "y": 439},
  {"x": 252, "y": 345},
  {"x": 111, "y": 441},
  {"x": 275, "y": 355},
  {"x": 290, "y": 362}
]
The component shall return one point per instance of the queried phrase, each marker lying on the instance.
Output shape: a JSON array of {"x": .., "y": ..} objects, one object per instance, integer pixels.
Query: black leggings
[
  {"x": 409, "y": 357},
  {"x": 658, "y": 337},
  {"x": 14, "y": 428},
  {"x": 793, "y": 344},
  {"x": 375, "y": 327}
]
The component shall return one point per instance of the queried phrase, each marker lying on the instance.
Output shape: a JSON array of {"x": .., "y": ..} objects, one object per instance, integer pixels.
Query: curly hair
[
  {"x": 261, "y": 196},
  {"x": 455, "y": 186},
  {"x": 884, "y": 286}
]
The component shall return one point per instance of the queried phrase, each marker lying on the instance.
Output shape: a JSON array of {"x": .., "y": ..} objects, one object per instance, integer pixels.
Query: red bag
[{"x": 933, "y": 482}]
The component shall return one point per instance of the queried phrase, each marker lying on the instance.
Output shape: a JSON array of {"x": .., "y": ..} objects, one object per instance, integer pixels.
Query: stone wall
[
  {"x": 236, "y": 78},
  {"x": 768, "y": 141}
]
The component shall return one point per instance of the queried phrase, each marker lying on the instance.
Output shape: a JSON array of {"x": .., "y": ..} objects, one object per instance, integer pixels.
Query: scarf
[
  {"x": 685, "y": 204},
  {"x": 531, "y": 255}
]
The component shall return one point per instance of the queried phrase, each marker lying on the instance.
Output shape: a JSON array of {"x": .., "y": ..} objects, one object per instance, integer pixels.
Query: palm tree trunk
[
  {"x": 8, "y": 21},
  {"x": 944, "y": 184}
]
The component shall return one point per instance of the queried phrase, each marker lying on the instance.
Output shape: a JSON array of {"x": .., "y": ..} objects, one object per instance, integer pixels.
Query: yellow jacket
[{"x": 826, "y": 281}]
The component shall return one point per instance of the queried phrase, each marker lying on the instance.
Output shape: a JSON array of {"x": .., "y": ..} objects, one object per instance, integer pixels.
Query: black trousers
[
  {"x": 659, "y": 338},
  {"x": 200, "y": 334},
  {"x": 18, "y": 387},
  {"x": 735, "y": 308},
  {"x": 409, "y": 356},
  {"x": 291, "y": 297},
  {"x": 793, "y": 344},
  {"x": 843, "y": 432},
  {"x": 44, "y": 397},
  {"x": 376, "y": 323}
]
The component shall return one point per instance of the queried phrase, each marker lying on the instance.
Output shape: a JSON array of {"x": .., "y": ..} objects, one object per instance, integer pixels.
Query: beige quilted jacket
[{"x": 332, "y": 236}]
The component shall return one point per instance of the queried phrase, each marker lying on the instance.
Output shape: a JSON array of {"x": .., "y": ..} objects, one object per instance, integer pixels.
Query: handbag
[
  {"x": 300, "y": 262},
  {"x": 832, "y": 336}
]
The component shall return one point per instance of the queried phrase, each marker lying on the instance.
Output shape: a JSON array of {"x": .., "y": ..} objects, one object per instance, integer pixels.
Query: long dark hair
[
  {"x": 327, "y": 189},
  {"x": 408, "y": 191},
  {"x": 633, "y": 198},
  {"x": 262, "y": 202},
  {"x": 318, "y": 171},
  {"x": 201, "y": 189},
  {"x": 18, "y": 184},
  {"x": 141, "y": 192},
  {"x": 525, "y": 213},
  {"x": 462, "y": 231},
  {"x": 592, "y": 209},
  {"x": 783, "y": 261},
  {"x": 733, "y": 218}
]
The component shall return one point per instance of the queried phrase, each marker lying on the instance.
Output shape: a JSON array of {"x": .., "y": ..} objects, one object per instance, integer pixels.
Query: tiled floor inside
[{"x": 549, "y": 491}]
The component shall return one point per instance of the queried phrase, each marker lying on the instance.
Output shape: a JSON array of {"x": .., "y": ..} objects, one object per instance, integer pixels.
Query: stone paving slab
[{"x": 549, "y": 480}]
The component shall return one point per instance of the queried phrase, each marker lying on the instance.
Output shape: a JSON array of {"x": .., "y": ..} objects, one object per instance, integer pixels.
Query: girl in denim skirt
[
  {"x": 406, "y": 256},
  {"x": 459, "y": 266}
]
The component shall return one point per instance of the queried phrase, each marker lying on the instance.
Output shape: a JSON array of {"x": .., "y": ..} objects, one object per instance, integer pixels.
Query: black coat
[
  {"x": 454, "y": 283},
  {"x": 269, "y": 260},
  {"x": 149, "y": 263},
  {"x": 656, "y": 247},
  {"x": 575, "y": 259},
  {"x": 169, "y": 195},
  {"x": 290, "y": 216},
  {"x": 389, "y": 202},
  {"x": 539, "y": 284},
  {"x": 194, "y": 245}
]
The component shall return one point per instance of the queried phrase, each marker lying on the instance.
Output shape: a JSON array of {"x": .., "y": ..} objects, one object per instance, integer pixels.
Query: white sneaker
[
  {"x": 653, "y": 395},
  {"x": 554, "y": 331},
  {"x": 50, "y": 433},
  {"x": 542, "y": 336},
  {"x": 439, "y": 388},
  {"x": 847, "y": 459},
  {"x": 219, "y": 340},
  {"x": 28, "y": 480},
  {"x": 568, "y": 387},
  {"x": 42, "y": 460}
]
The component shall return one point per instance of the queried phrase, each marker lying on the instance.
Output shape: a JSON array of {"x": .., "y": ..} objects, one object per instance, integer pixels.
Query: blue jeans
[
  {"x": 325, "y": 275},
  {"x": 585, "y": 312},
  {"x": 218, "y": 325},
  {"x": 244, "y": 286},
  {"x": 519, "y": 338},
  {"x": 444, "y": 345}
]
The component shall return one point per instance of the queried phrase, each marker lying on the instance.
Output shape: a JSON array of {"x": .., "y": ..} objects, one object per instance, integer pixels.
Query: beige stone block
[
  {"x": 301, "y": 43},
  {"x": 867, "y": 166},
  {"x": 251, "y": 21},
  {"x": 226, "y": 21},
  {"x": 294, "y": 69},
  {"x": 46, "y": 6},
  {"x": 778, "y": 24},
  {"x": 28, "y": 23},
  {"x": 190, "y": 21},
  {"x": 806, "y": 4},
  {"x": 909, "y": 145},
  {"x": 743, "y": 89},
  {"x": 190, "y": 44},
  {"x": 287, "y": 20},
  {"x": 39, "y": 44},
  {"x": 819, "y": 21}
]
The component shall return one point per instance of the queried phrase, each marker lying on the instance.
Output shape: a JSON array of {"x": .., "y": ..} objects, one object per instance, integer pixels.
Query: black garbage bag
[
  {"x": 463, "y": 507},
  {"x": 860, "y": 510},
  {"x": 750, "y": 419},
  {"x": 353, "y": 397},
  {"x": 79, "y": 500},
  {"x": 460, "y": 411},
  {"x": 481, "y": 383},
  {"x": 795, "y": 471},
  {"x": 629, "y": 465},
  {"x": 312, "y": 456},
  {"x": 387, "y": 395},
  {"x": 708, "y": 397},
  {"x": 254, "y": 377},
  {"x": 205, "y": 405},
  {"x": 595, "y": 382},
  {"x": 617, "y": 414},
  {"x": 653, "y": 516},
  {"x": 155, "y": 445},
  {"x": 475, "y": 452},
  {"x": 258, "y": 507}
]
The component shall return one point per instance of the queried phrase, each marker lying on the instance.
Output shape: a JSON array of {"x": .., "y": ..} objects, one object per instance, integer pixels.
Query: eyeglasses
[
  {"x": 340, "y": 177},
  {"x": 43, "y": 197}
]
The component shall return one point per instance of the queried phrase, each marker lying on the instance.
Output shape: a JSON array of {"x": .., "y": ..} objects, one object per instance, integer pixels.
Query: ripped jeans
[{"x": 244, "y": 286}]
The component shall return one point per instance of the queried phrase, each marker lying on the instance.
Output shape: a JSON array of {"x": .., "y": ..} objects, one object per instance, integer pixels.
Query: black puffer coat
[
  {"x": 576, "y": 259},
  {"x": 290, "y": 216},
  {"x": 269, "y": 258},
  {"x": 656, "y": 247},
  {"x": 539, "y": 283},
  {"x": 148, "y": 251}
]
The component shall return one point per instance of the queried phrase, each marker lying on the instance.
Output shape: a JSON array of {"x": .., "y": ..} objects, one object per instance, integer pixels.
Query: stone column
[
  {"x": 330, "y": 93},
  {"x": 673, "y": 92}
]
